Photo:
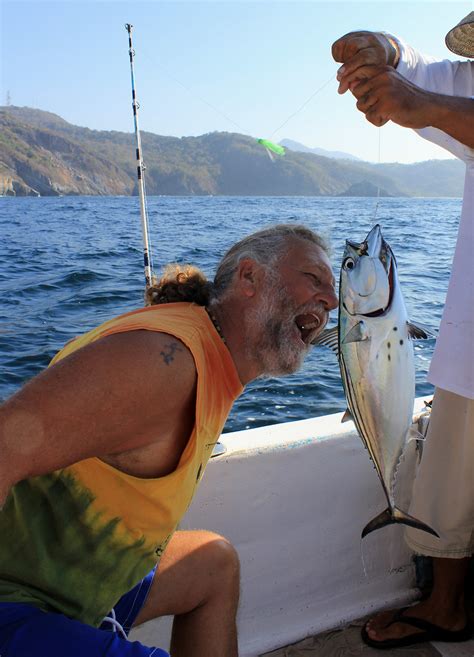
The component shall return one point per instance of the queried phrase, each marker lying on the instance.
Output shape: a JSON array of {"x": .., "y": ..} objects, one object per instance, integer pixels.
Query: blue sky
[{"x": 205, "y": 66}]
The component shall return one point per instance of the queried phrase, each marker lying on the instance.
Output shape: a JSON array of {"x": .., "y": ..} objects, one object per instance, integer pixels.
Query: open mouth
[
  {"x": 391, "y": 283},
  {"x": 309, "y": 325}
]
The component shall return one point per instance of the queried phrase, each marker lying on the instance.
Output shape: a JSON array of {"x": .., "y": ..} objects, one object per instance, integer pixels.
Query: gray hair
[
  {"x": 265, "y": 247},
  {"x": 187, "y": 283}
]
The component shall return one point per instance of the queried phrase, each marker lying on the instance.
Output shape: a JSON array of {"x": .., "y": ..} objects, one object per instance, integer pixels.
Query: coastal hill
[
  {"x": 297, "y": 146},
  {"x": 42, "y": 154}
]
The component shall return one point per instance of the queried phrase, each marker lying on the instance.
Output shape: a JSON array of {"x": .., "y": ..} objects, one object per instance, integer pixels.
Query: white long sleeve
[
  {"x": 450, "y": 78},
  {"x": 452, "y": 366}
]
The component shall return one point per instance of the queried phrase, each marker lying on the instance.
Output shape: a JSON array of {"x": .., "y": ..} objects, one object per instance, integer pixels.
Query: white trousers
[{"x": 443, "y": 493}]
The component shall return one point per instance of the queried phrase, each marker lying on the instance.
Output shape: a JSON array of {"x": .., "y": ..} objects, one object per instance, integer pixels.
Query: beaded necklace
[{"x": 216, "y": 324}]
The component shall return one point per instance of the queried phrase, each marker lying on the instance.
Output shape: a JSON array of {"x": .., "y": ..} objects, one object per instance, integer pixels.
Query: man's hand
[
  {"x": 359, "y": 50},
  {"x": 384, "y": 95}
]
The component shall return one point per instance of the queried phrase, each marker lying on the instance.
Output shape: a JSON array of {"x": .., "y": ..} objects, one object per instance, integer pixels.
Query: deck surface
[{"x": 347, "y": 643}]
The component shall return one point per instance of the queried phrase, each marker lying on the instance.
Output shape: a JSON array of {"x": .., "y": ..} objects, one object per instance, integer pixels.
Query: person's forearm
[{"x": 453, "y": 115}]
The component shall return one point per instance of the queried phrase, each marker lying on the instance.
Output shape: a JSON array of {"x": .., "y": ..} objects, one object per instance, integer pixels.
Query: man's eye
[{"x": 316, "y": 280}]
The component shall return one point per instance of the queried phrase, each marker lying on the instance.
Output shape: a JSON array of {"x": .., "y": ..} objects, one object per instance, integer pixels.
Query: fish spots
[
  {"x": 388, "y": 345},
  {"x": 395, "y": 328},
  {"x": 389, "y": 358},
  {"x": 401, "y": 341}
]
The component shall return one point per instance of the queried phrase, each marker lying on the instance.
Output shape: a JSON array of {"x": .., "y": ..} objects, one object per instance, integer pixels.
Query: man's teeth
[
  {"x": 308, "y": 323},
  {"x": 311, "y": 325}
]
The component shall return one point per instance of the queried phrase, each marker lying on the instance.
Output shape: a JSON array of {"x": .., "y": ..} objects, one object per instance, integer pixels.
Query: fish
[{"x": 374, "y": 344}]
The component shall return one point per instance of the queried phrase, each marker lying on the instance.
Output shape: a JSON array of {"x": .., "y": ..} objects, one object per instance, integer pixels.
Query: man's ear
[{"x": 249, "y": 275}]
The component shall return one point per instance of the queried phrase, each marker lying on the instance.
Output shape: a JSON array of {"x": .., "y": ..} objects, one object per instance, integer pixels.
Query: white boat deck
[{"x": 347, "y": 643}]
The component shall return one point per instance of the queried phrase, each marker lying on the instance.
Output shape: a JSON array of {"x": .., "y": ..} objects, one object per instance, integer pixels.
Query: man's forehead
[{"x": 309, "y": 253}]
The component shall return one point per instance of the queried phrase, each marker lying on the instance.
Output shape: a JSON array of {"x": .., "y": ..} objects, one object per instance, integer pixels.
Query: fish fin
[
  {"x": 396, "y": 515},
  {"x": 329, "y": 338},
  {"x": 412, "y": 433},
  {"x": 347, "y": 417},
  {"x": 419, "y": 331},
  {"x": 357, "y": 333}
]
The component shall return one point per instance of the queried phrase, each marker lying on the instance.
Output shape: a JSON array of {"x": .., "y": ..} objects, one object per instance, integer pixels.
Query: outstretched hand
[
  {"x": 384, "y": 95},
  {"x": 360, "y": 52},
  {"x": 368, "y": 72}
]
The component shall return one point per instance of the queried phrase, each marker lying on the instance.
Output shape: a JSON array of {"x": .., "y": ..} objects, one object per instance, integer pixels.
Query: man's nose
[{"x": 328, "y": 298}]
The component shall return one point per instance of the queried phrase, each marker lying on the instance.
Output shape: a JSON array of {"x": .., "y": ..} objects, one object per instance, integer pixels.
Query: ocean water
[{"x": 69, "y": 263}]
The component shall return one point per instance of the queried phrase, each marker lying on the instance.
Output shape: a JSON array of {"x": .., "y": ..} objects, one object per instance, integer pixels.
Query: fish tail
[{"x": 396, "y": 515}]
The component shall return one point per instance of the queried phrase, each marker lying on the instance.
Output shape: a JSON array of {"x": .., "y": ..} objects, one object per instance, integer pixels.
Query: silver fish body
[{"x": 374, "y": 345}]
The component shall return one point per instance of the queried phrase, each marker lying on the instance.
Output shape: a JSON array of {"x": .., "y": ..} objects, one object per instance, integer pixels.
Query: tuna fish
[{"x": 373, "y": 341}]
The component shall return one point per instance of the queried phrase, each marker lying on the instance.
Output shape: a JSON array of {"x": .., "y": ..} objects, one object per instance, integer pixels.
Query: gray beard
[{"x": 270, "y": 331}]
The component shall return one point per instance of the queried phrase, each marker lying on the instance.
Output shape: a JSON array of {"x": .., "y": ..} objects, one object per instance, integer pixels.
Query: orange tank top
[{"x": 81, "y": 537}]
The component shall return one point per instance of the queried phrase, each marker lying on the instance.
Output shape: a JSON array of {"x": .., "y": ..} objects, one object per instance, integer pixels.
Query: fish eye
[{"x": 348, "y": 263}]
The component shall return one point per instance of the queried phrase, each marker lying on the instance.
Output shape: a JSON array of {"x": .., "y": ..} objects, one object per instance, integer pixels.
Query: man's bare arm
[
  {"x": 384, "y": 95},
  {"x": 113, "y": 395}
]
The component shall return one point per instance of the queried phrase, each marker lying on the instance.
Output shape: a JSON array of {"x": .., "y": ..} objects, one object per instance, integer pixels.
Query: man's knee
[
  {"x": 223, "y": 554},
  {"x": 223, "y": 560}
]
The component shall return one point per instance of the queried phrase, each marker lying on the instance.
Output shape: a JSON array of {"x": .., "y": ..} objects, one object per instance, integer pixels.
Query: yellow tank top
[{"x": 81, "y": 537}]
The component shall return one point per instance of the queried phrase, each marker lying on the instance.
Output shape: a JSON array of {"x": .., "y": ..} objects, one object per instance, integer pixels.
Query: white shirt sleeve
[{"x": 443, "y": 77}]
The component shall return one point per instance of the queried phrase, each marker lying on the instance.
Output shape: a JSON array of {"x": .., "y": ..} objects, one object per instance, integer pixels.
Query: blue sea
[{"x": 69, "y": 263}]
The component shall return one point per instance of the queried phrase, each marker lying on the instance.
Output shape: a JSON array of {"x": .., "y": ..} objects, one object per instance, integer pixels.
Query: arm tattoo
[{"x": 168, "y": 355}]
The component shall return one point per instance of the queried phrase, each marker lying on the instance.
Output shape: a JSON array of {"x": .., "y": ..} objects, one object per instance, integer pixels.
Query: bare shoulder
[
  {"x": 140, "y": 358},
  {"x": 143, "y": 366},
  {"x": 149, "y": 349},
  {"x": 114, "y": 394}
]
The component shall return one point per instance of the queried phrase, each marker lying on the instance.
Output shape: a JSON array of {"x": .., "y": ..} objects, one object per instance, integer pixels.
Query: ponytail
[{"x": 180, "y": 283}]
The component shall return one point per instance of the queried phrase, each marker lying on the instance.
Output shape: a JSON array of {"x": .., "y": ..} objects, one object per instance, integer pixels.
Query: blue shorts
[{"x": 26, "y": 631}]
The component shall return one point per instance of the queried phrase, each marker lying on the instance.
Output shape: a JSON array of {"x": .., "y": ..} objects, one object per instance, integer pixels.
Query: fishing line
[
  {"x": 194, "y": 94},
  {"x": 331, "y": 79},
  {"x": 378, "y": 183}
]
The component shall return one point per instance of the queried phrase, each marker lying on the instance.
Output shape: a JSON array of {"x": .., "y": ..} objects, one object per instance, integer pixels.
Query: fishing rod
[{"x": 147, "y": 259}]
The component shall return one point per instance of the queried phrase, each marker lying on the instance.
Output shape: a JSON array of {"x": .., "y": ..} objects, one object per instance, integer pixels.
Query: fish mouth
[
  {"x": 391, "y": 288},
  {"x": 310, "y": 326}
]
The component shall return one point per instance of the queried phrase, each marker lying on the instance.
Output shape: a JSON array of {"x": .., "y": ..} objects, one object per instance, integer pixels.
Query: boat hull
[{"x": 293, "y": 498}]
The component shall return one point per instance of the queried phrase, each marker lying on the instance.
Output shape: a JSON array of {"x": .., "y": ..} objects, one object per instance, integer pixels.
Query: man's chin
[{"x": 284, "y": 367}]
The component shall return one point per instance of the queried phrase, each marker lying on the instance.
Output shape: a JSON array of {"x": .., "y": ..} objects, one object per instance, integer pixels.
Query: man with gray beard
[
  {"x": 273, "y": 322},
  {"x": 103, "y": 451}
]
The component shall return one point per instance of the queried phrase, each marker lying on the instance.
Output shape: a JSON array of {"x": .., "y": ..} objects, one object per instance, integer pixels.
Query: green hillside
[{"x": 42, "y": 154}]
